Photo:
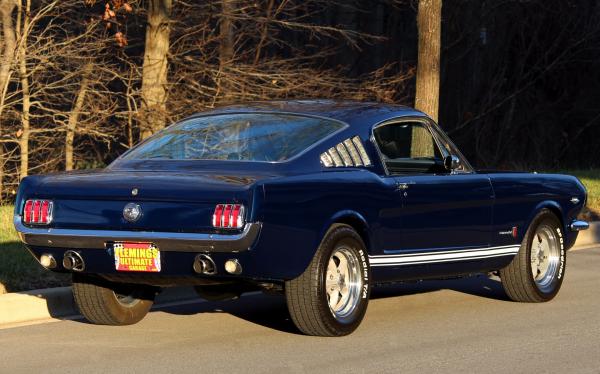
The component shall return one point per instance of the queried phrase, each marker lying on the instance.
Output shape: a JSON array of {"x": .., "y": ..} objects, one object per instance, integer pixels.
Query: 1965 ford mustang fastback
[{"x": 319, "y": 200}]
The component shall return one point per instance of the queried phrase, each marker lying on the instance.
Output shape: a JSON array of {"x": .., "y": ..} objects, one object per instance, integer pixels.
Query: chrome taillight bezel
[
  {"x": 229, "y": 216},
  {"x": 38, "y": 212}
]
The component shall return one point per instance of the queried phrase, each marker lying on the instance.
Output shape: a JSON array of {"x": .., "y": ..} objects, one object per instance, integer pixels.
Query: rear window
[{"x": 237, "y": 137}]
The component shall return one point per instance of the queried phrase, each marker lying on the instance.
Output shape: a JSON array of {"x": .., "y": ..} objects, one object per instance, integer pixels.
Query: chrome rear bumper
[{"x": 166, "y": 241}]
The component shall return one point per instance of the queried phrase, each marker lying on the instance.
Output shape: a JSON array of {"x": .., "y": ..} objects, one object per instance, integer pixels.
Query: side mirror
[{"x": 451, "y": 163}]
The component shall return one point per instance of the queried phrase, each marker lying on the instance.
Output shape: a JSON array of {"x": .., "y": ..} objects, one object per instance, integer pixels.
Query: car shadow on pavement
[
  {"x": 270, "y": 311},
  {"x": 476, "y": 285},
  {"x": 266, "y": 310}
]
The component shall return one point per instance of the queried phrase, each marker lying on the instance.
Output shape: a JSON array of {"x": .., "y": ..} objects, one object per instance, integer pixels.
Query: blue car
[{"x": 317, "y": 200}]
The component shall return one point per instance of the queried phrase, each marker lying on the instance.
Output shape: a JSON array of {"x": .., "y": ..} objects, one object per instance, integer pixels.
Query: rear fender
[{"x": 351, "y": 218}]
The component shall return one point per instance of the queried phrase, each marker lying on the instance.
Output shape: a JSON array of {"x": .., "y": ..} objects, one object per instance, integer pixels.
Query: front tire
[
  {"x": 536, "y": 273},
  {"x": 105, "y": 303},
  {"x": 330, "y": 298}
]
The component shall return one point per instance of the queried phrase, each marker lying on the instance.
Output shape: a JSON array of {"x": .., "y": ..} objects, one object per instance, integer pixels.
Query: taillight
[
  {"x": 228, "y": 216},
  {"x": 37, "y": 212}
]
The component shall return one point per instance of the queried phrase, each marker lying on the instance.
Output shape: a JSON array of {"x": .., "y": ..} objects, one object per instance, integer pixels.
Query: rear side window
[{"x": 237, "y": 137}]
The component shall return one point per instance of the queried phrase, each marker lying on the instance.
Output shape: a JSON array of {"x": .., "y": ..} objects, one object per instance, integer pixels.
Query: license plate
[{"x": 142, "y": 257}]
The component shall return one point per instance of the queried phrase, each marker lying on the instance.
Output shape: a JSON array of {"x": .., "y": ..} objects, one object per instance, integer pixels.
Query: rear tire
[
  {"x": 105, "y": 303},
  {"x": 330, "y": 298},
  {"x": 536, "y": 273}
]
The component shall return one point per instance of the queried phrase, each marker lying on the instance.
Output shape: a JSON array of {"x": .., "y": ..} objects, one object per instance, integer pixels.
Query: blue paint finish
[
  {"x": 520, "y": 196},
  {"x": 446, "y": 211},
  {"x": 297, "y": 201}
]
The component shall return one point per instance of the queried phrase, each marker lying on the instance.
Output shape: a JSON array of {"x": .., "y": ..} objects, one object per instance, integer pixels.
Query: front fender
[{"x": 569, "y": 236}]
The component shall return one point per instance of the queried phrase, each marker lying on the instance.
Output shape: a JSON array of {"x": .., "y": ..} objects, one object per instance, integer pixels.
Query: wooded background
[{"x": 83, "y": 80}]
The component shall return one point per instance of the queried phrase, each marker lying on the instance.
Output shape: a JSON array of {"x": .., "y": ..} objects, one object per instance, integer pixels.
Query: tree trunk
[
  {"x": 154, "y": 75},
  {"x": 226, "y": 32},
  {"x": 427, "y": 98},
  {"x": 25, "y": 93},
  {"x": 8, "y": 30},
  {"x": 10, "y": 44},
  {"x": 264, "y": 32},
  {"x": 429, "y": 21},
  {"x": 226, "y": 48},
  {"x": 74, "y": 116}
]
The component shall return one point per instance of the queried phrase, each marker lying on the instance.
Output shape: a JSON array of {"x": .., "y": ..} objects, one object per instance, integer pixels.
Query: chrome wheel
[
  {"x": 545, "y": 257},
  {"x": 343, "y": 282}
]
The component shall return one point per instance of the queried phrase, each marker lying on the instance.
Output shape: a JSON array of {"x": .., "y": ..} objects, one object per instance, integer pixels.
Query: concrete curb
[
  {"x": 38, "y": 306},
  {"x": 54, "y": 304}
]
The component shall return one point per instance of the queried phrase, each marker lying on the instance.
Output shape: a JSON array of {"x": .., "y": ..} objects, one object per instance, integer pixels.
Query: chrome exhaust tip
[
  {"x": 203, "y": 264},
  {"x": 47, "y": 261},
  {"x": 73, "y": 261}
]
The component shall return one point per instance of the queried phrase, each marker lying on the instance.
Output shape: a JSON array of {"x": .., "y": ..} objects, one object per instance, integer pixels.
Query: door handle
[{"x": 403, "y": 186}]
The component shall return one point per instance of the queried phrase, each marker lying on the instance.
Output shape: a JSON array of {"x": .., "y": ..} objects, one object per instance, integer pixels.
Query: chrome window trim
[
  {"x": 438, "y": 132},
  {"x": 427, "y": 122}
]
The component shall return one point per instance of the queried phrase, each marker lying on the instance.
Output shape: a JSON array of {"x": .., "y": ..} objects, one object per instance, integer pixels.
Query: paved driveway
[{"x": 464, "y": 326}]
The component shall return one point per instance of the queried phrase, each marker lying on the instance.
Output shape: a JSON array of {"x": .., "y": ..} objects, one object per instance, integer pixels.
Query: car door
[{"x": 441, "y": 210}]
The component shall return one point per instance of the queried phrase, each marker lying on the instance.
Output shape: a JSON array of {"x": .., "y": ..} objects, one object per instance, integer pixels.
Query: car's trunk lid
[{"x": 170, "y": 201}]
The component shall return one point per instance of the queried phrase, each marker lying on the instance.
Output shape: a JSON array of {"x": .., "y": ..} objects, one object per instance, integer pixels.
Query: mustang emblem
[{"x": 132, "y": 212}]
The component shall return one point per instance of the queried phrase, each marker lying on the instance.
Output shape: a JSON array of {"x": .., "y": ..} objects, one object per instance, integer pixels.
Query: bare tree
[
  {"x": 23, "y": 19},
  {"x": 427, "y": 98},
  {"x": 76, "y": 94},
  {"x": 10, "y": 44},
  {"x": 226, "y": 30},
  {"x": 74, "y": 115},
  {"x": 154, "y": 76},
  {"x": 429, "y": 22}
]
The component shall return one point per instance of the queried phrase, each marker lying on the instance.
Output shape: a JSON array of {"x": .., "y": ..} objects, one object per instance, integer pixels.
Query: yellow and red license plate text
[{"x": 144, "y": 257}]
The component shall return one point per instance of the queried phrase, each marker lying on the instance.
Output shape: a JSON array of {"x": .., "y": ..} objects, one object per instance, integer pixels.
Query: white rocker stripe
[
  {"x": 443, "y": 251},
  {"x": 445, "y": 256}
]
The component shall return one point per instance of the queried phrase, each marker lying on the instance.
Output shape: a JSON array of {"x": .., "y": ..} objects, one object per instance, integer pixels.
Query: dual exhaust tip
[
  {"x": 71, "y": 261},
  {"x": 203, "y": 263}
]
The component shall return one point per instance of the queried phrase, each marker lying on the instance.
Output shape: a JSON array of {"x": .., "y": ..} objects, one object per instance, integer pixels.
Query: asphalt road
[{"x": 465, "y": 326}]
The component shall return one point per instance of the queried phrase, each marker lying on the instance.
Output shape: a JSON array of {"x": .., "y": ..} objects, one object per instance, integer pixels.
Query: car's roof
[
  {"x": 351, "y": 112},
  {"x": 360, "y": 116}
]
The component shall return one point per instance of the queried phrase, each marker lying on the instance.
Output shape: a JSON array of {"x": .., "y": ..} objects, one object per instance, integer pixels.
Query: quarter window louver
[
  {"x": 337, "y": 160},
  {"x": 353, "y": 152},
  {"x": 361, "y": 150},
  {"x": 326, "y": 160},
  {"x": 345, "y": 155},
  {"x": 349, "y": 153}
]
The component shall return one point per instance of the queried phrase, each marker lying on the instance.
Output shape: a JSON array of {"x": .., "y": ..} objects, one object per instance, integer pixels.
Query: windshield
[{"x": 238, "y": 137}]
